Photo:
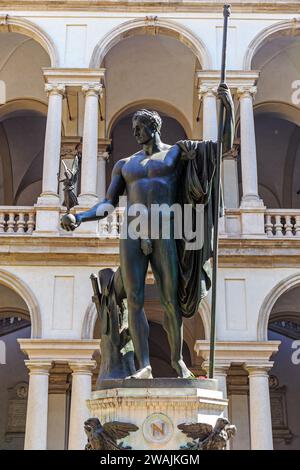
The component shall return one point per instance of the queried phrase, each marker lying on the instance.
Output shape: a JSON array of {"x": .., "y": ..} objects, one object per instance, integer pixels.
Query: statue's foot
[
  {"x": 145, "y": 373},
  {"x": 182, "y": 370}
]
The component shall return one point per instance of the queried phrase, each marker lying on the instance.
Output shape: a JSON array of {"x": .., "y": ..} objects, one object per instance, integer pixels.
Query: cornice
[
  {"x": 59, "y": 350},
  {"x": 151, "y": 5},
  {"x": 254, "y": 353},
  {"x": 84, "y": 251}
]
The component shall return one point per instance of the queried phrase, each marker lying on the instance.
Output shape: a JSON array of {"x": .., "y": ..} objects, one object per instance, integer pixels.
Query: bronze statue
[
  {"x": 117, "y": 355},
  {"x": 105, "y": 437},
  {"x": 163, "y": 174},
  {"x": 69, "y": 182},
  {"x": 208, "y": 437}
]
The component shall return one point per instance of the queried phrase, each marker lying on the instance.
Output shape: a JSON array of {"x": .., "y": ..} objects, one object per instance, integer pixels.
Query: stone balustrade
[
  {"x": 110, "y": 227},
  {"x": 282, "y": 223},
  {"x": 17, "y": 220},
  {"x": 279, "y": 223}
]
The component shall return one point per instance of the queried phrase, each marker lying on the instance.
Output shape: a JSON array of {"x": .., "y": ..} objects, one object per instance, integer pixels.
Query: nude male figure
[{"x": 150, "y": 176}]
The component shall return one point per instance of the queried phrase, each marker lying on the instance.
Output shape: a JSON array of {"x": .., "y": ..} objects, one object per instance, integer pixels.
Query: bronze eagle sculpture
[
  {"x": 105, "y": 437},
  {"x": 207, "y": 437}
]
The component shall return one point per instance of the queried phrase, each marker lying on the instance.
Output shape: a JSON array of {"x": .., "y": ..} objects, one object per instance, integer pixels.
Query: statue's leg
[
  {"x": 164, "y": 263},
  {"x": 134, "y": 268}
]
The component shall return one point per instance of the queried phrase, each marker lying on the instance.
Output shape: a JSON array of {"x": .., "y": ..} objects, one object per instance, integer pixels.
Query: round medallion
[
  {"x": 22, "y": 391},
  {"x": 158, "y": 428}
]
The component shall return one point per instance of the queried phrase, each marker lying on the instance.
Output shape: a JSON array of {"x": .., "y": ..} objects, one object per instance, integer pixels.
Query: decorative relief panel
[
  {"x": 17, "y": 406},
  {"x": 280, "y": 426}
]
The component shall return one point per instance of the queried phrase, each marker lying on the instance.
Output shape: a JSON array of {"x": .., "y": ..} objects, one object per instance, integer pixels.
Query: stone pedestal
[{"x": 157, "y": 407}]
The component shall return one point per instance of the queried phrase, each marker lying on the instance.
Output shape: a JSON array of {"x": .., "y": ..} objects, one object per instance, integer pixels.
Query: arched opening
[
  {"x": 284, "y": 325},
  {"x": 22, "y": 135},
  {"x": 14, "y": 323},
  {"x": 278, "y": 155},
  {"x": 142, "y": 71},
  {"x": 277, "y": 127},
  {"x": 22, "y": 118},
  {"x": 151, "y": 26},
  {"x": 17, "y": 24},
  {"x": 277, "y": 114}
]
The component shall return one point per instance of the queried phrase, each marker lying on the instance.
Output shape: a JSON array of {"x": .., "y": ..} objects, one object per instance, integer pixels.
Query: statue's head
[
  {"x": 145, "y": 125},
  {"x": 91, "y": 424}
]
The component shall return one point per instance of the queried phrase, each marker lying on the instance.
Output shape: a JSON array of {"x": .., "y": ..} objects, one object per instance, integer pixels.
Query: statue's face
[{"x": 142, "y": 131}]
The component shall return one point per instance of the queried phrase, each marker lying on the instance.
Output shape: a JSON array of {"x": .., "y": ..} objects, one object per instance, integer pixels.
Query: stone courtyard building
[{"x": 71, "y": 75}]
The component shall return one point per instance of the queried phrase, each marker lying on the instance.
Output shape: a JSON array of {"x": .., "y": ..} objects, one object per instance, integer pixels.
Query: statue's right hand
[{"x": 69, "y": 222}]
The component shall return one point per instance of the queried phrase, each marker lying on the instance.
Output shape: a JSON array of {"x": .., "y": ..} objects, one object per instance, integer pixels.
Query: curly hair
[{"x": 149, "y": 117}]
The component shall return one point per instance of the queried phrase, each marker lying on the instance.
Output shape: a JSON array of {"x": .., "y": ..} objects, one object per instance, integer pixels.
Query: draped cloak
[{"x": 197, "y": 186}]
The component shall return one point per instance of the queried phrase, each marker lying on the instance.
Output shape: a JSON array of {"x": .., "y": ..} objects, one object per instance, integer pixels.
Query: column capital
[
  {"x": 221, "y": 367},
  {"x": 207, "y": 89},
  {"x": 258, "y": 370},
  {"x": 246, "y": 91},
  {"x": 55, "y": 89},
  {"x": 82, "y": 367},
  {"x": 92, "y": 89},
  {"x": 102, "y": 155},
  {"x": 37, "y": 367}
]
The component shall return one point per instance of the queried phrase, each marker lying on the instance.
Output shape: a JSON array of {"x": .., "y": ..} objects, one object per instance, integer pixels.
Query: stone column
[
  {"x": 101, "y": 174},
  {"x": 248, "y": 148},
  {"x": 48, "y": 204},
  {"x": 52, "y": 141},
  {"x": 260, "y": 408},
  {"x": 210, "y": 122},
  {"x": 81, "y": 391},
  {"x": 37, "y": 406},
  {"x": 252, "y": 208},
  {"x": 230, "y": 178},
  {"x": 88, "y": 194}
]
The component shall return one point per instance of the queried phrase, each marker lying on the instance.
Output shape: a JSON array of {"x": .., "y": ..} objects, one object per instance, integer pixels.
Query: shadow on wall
[{"x": 22, "y": 137}]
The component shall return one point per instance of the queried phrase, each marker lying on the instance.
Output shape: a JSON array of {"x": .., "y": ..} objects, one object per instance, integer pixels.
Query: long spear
[{"x": 226, "y": 14}]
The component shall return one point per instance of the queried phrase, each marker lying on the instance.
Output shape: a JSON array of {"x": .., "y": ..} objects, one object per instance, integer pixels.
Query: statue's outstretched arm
[{"x": 107, "y": 205}]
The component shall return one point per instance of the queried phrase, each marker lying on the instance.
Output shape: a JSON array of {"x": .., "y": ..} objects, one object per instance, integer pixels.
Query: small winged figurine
[
  {"x": 208, "y": 437},
  {"x": 69, "y": 182},
  {"x": 105, "y": 437}
]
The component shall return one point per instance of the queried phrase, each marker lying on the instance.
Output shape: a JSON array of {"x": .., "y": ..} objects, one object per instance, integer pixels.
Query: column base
[
  {"x": 47, "y": 215},
  {"x": 157, "y": 407},
  {"x": 222, "y": 229},
  {"x": 253, "y": 219},
  {"x": 251, "y": 200}
]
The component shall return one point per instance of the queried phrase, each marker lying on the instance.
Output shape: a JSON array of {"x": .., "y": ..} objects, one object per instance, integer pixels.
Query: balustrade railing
[
  {"x": 282, "y": 223},
  {"x": 17, "y": 220},
  {"x": 110, "y": 227},
  {"x": 279, "y": 223}
]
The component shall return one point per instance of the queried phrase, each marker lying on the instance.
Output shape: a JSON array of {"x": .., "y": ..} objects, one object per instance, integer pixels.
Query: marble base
[{"x": 157, "y": 407}]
